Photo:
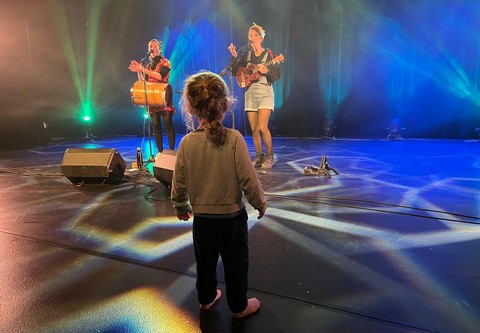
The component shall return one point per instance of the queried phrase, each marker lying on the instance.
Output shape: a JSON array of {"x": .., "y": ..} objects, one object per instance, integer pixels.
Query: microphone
[{"x": 146, "y": 56}]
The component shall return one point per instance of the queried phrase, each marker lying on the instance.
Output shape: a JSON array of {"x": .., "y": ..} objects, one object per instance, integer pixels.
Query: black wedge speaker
[
  {"x": 164, "y": 166},
  {"x": 93, "y": 166}
]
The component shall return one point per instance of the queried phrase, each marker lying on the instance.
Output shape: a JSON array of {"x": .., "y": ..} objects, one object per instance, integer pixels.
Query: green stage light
[{"x": 80, "y": 56}]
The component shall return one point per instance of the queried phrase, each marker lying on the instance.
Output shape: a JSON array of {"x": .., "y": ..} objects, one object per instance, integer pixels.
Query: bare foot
[
  {"x": 208, "y": 306},
  {"x": 252, "y": 306}
]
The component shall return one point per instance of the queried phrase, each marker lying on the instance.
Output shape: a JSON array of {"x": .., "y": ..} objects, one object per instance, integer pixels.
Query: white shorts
[{"x": 259, "y": 96}]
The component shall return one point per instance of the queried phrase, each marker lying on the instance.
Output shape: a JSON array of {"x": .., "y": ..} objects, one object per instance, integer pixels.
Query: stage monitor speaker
[
  {"x": 164, "y": 166},
  {"x": 93, "y": 166}
]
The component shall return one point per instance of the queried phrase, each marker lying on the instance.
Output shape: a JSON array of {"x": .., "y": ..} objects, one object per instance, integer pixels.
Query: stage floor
[{"x": 390, "y": 244}]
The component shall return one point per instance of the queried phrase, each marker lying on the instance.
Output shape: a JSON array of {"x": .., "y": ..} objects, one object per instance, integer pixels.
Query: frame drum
[{"x": 151, "y": 94}]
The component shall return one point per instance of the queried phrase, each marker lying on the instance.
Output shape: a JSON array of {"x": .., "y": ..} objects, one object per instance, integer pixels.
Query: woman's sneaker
[
  {"x": 269, "y": 162},
  {"x": 259, "y": 160}
]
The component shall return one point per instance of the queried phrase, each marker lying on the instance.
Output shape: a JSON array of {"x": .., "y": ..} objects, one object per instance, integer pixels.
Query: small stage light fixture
[{"x": 323, "y": 169}]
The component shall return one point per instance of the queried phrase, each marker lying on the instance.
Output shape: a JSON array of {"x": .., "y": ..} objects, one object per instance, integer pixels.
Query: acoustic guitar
[{"x": 246, "y": 76}]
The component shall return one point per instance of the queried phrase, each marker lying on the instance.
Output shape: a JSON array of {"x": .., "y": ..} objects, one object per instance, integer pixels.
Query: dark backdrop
[{"x": 359, "y": 65}]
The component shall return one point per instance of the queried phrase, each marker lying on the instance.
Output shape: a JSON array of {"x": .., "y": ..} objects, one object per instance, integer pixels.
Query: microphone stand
[
  {"x": 152, "y": 158},
  {"x": 229, "y": 68},
  {"x": 145, "y": 58}
]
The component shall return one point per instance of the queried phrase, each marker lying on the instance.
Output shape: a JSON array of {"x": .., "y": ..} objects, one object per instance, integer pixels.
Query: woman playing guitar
[{"x": 256, "y": 70}]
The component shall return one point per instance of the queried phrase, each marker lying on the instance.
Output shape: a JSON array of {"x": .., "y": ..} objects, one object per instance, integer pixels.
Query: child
[{"x": 212, "y": 173}]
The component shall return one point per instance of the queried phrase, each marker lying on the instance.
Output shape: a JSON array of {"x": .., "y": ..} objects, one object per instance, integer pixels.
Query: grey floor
[{"x": 390, "y": 244}]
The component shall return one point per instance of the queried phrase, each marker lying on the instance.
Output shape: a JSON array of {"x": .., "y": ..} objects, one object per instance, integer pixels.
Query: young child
[{"x": 212, "y": 173}]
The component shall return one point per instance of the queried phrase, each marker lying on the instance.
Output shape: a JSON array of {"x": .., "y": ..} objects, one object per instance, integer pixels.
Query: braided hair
[{"x": 205, "y": 96}]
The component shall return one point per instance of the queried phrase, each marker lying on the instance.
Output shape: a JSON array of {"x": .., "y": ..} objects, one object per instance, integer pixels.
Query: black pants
[
  {"x": 157, "y": 129},
  {"x": 227, "y": 237}
]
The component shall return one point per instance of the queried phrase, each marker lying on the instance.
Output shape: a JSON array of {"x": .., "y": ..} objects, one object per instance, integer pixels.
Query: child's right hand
[{"x": 261, "y": 211}]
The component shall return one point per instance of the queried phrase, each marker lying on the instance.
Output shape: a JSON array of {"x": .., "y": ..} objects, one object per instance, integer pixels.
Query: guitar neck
[{"x": 268, "y": 63}]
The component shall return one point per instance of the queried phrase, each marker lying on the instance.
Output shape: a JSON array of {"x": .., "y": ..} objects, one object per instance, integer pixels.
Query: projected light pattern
[
  {"x": 408, "y": 251},
  {"x": 141, "y": 310},
  {"x": 132, "y": 242},
  {"x": 395, "y": 248},
  {"x": 144, "y": 309},
  {"x": 375, "y": 238}
]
